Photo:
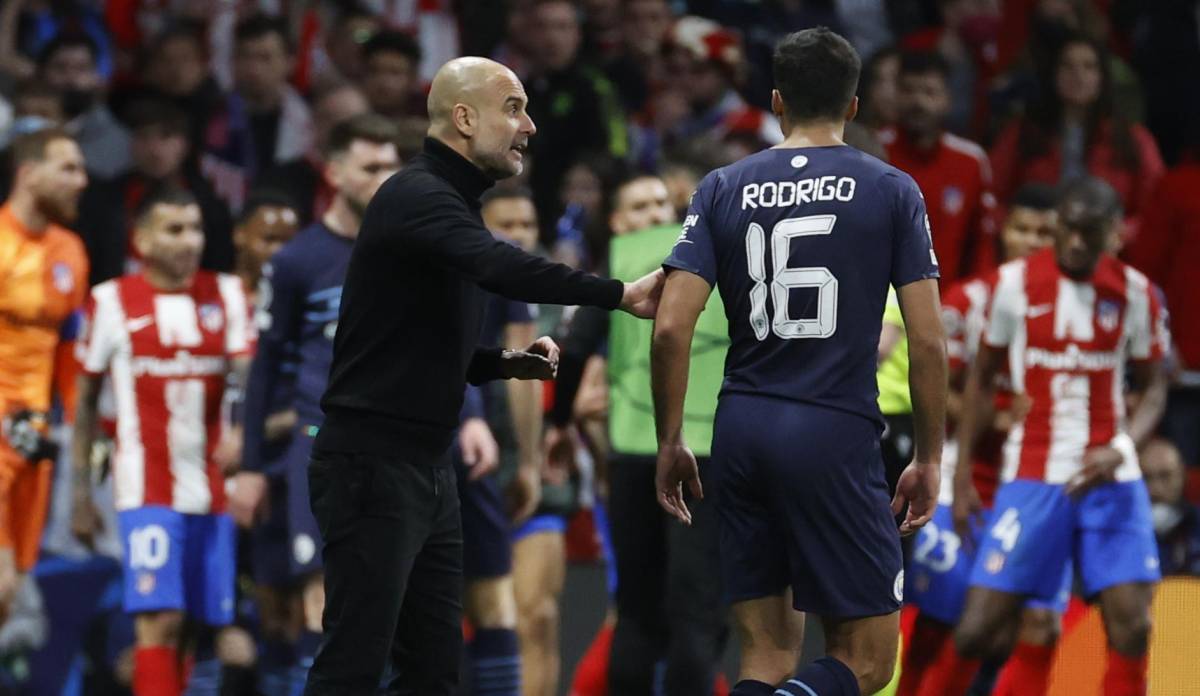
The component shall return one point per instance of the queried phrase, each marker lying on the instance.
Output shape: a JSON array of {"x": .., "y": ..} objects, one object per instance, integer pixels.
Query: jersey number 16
[{"x": 819, "y": 277}]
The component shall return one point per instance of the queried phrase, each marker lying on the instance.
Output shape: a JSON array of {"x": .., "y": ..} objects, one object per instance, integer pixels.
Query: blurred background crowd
[{"x": 235, "y": 101}]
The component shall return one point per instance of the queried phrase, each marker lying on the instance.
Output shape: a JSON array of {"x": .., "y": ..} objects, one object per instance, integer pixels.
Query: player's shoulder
[
  {"x": 302, "y": 249},
  {"x": 965, "y": 148},
  {"x": 1117, "y": 272}
]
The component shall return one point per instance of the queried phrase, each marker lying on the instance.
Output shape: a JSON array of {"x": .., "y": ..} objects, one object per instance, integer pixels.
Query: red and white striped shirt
[
  {"x": 1068, "y": 342},
  {"x": 168, "y": 356}
]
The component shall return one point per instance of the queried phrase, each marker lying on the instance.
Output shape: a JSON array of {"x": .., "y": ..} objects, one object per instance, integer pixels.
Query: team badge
[
  {"x": 303, "y": 548},
  {"x": 952, "y": 200},
  {"x": 799, "y": 161},
  {"x": 64, "y": 279},
  {"x": 898, "y": 586},
  {"x": 145, "y": 583},
  {"x": 1108, "y": 315},
  {"x": 212, "y": 319}
]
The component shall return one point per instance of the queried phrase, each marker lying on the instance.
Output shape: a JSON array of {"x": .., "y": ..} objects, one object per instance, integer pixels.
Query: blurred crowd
[{"x": 237, "y": 101}]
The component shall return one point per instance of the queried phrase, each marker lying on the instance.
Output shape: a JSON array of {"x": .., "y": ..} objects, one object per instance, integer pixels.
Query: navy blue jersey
[
  {"x": 802, "y": 245},
  {"x": 297, "y": 317},
  {"x": 501, "y": 312}
]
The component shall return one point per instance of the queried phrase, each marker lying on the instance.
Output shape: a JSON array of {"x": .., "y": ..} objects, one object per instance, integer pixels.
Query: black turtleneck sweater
[{"x": 412, "y": 308}]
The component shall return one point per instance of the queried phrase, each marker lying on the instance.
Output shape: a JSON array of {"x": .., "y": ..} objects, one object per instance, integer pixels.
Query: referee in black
[{"x": 382, "y": 489}]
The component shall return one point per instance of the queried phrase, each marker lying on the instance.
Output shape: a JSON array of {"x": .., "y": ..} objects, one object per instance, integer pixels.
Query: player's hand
[
  {"x": 966, "y": 510},
  {"x": 1099, "y": 466},
  {"x": 918, "y": 486},
  {"x": 228, "y": 452},
  {"x": 538, "y": 361},
  {"x": 479, "y": 449},
  {"x": 677, "y": 466},
  {"x": 248, "y": 499},
  {"x": 558, "y": 455},
  {"x": 85, "y": 519},
  {"x": 525, "y": 493},
  {"x": 642, "y": 295},
  {"x": 280, "y": 424}
]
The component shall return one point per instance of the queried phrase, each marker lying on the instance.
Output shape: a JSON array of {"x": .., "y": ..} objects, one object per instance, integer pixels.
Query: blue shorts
[
  {"x": 1037, "y": 532},
  {"x": 177, "y": 561},
  {"x": 304, "y": 538},
  {"x": 938, "y": 572},
  {"x": 545, "y": 523},
  {"x": 802, "y": 502},
  {"x": 487, "y": 544}
]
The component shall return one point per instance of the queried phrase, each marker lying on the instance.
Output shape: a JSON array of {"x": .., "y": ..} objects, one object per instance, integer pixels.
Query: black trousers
[
  {"x": 669, "y": 602},
  {"x": 393, "y": 574}
]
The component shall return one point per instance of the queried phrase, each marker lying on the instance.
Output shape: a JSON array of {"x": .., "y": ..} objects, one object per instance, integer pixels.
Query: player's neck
[
  {"x": 340, "y": 219},
  {"x": 166, "y": 282},
  {"x": 25, "y": 210},
  {"x": 814, "y": 134}
]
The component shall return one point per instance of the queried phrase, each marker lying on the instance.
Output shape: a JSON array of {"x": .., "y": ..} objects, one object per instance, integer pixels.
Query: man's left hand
[{"x": 538, "y": 361}]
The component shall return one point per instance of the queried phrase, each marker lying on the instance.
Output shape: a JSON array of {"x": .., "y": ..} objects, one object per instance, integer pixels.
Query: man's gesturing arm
[
  {"x": 684, "y": 298},
  {"x": 918, "y": 485}
]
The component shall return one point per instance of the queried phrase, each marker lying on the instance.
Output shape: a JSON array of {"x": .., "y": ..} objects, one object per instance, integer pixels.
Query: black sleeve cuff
[{"x": 485, "y": 365}]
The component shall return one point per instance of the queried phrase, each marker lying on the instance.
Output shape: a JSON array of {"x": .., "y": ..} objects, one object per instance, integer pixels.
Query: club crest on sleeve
[
  {"x": 63, "y": 278},
  {"x": 952, "y": 200}
]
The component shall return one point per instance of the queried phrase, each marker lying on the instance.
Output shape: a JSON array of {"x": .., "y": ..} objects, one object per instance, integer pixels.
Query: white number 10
[{"x": 825, "y": 323}]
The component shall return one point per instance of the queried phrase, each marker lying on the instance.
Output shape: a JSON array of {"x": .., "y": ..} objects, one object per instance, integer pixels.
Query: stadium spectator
[
  {"x": 1167, "y": 55},
  {"x": 1072, "y": 130},
  {"x": 68, "y": 63},
  {"x": 175, "y": 67},
  {"x": 573, "y": 106},
  {"x": 389, "y": 78},
  {"x": 268, "y": 221},
  {"x": 36, "y": 105},
  {"x": 877, "y": 92},
  {"x": 1176, "y": 520},
  {"x": 332, "y": 40},
  {"x": 953, "y": 173},
  {"x": 1166, "y": 247},
  {"x": 637, "y": 69},
  {"x": 264, "y": 121}
]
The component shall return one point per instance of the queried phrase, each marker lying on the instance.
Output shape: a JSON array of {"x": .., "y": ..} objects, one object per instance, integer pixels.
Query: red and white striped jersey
[
  {"x": 167, "y": 354},
  {"x": 1068, "y": 342}
]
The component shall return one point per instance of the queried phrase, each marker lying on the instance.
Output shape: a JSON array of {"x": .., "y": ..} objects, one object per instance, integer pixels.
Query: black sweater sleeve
[
  {"x": 443, "y": 229},
  {"x": 484, "y": 365}
]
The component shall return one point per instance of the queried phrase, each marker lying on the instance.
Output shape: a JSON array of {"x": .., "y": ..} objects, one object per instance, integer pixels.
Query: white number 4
[
  {"x": 1007, "y": 529},
  {"x": 786, "y": 279}
]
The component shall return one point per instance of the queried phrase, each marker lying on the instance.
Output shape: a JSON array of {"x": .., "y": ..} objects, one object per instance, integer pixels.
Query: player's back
[{"x": 802, "y": 244}]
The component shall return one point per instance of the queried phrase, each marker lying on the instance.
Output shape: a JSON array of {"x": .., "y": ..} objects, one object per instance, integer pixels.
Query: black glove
[{"x": 27, "y": 432}]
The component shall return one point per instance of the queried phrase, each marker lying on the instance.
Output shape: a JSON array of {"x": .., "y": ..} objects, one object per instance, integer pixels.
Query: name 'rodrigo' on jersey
[{"x": 802, "y": 244}]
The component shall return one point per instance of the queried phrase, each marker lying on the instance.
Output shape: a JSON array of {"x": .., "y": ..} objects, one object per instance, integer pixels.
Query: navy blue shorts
[
  {"x": 487, "y": 532},
  {"x": 269, "y": 539},
  {"x": 802, "y": 502},
  {"x": 304, "y": 538}
]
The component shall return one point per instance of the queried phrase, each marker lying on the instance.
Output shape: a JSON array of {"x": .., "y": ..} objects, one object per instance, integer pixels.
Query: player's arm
[
  {"x": 85, "y": 519},
  {"x": 927, "y": 381},
  {"x": 1149, "y": 382},
  {"x": 978, "y": 406},
  {"x": 525, "y": 405},
  {"x": 684, "y": 297}
]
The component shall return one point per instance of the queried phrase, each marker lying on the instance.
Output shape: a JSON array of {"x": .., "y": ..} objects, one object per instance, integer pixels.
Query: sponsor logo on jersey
[
  {"x": 1072, "y": 359},
  {"x": 212, "y": 319},
  {"x": 1108, "y": 315},
  {"x": 64, "y": 279},
  {"x": 183, "y": 364}
]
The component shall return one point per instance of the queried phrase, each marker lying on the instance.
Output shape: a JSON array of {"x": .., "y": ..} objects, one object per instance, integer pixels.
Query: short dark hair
[
  {"x": 370, "y": 127},
  {"x": 265, "y": 197},
  {"x": 258, "y": 25},
  {"x": 151, "y": 112},
  {"x": 68, "y": 39},
  {"x": 505, "y": 193},
  {"x": 1035, "y": 196},
  {"x": 924, "y": 63},
  {"x": 816, "y": 73},
  {"x": 31, "y": 147},
  {"x": 187, "y": 30},
  {"x": 162, "y": 194},
  {"x": 1089, "y": 204},
  {"x": 391, "y": 41}
]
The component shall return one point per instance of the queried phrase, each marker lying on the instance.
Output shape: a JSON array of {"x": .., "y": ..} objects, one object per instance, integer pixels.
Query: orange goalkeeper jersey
[{"x": 43, "y": 281}]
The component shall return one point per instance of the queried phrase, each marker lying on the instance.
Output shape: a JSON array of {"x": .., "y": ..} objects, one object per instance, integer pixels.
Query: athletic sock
[
  {"x": 950, "y": 674},
  {"x": 274, "y": 663},
  {"x": 929, "y": 637},
  {"x": 156, "y": 672},
  {"x": 495, "y": 662},
  {"x": 306, "y": 650},
  {"x": 237, "y": 680},
  {"x": 1125, "y": 676},
  {"x": 749, "y": 687},
  {"x": 827, "y": 676},
  {"x": 1027, "y": 672}
]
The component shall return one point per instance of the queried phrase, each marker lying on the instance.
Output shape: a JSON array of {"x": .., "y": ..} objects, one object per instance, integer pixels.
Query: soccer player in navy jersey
[{"x": 802, "y": 240}]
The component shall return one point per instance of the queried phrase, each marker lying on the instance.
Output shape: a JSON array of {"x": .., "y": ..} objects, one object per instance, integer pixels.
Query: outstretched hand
[
  {"x": 642, "y": 295},
  {"x": 538, "y": 361}
]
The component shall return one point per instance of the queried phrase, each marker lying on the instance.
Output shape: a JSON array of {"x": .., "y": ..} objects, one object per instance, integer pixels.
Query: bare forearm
[
  {"x": 927, "y": 384},
  {"x": 1150, "y": 407},
  {"x": 978, "y": 403},
  {"x": 668, "y": 380},
  {"x": 84, "y": 433}
]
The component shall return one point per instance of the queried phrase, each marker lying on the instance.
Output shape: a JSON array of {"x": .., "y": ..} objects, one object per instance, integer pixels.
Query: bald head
[{"x": 477, "y": 107}]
